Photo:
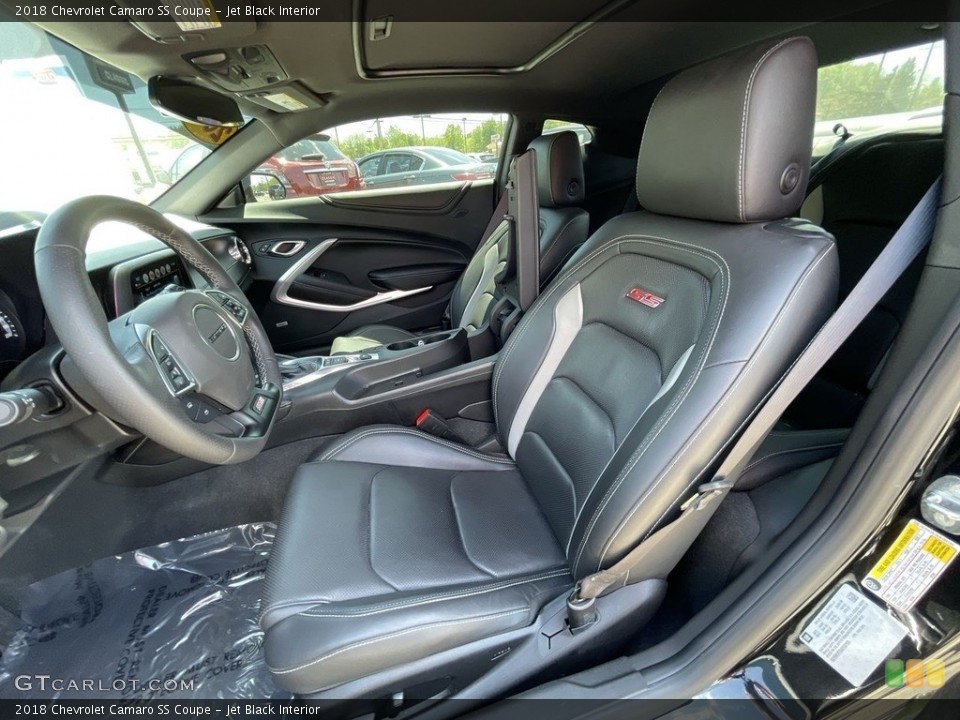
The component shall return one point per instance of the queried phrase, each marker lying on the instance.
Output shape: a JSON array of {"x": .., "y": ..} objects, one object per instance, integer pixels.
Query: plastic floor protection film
[{"x": 177, "y": 620}]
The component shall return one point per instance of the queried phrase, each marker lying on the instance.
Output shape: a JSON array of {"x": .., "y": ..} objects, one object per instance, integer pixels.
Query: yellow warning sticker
[{"x": 910, "y": 566}]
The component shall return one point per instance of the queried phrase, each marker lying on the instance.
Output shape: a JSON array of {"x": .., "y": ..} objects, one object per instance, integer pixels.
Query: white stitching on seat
[
  {"x": 668, "y": 413},
  {"x": 743, "y": 122},
  {"x": 330, "y": 454},
  {"x": 371, "y": 641},
  {"x": 706, "y": 423},
  {"x": 454, "y": 595},
  {"x": 643, "y": 137}
]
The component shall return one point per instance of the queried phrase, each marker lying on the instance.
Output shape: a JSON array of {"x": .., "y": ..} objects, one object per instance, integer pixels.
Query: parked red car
[{"x": 312, "y": 166}]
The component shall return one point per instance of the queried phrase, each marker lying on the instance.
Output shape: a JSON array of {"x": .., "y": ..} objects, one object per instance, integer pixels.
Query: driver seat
[{"x": 408, "y": 565}]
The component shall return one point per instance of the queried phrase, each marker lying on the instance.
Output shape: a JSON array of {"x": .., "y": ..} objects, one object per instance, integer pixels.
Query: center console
[{"x": 390, "y": 383}]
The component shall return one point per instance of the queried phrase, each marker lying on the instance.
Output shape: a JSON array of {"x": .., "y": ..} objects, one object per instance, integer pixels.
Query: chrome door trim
[{"x": 281, "y": 290}]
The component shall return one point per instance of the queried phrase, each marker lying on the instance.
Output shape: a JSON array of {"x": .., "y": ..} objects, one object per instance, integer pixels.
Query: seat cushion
[
  {"x": 369, "y": 336},
  {"x": 395, "y": 545}
]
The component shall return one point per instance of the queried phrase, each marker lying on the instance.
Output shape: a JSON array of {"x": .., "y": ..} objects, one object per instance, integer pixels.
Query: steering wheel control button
[
  {"x": 176, "y": 380},
  {"x": 206, "y": 414},
  {"x": 234, "y": 307},
  {"x": 191, "y": 406},
  {"x": 160, "y": 351},
  {"x": 216, "y": 332}
]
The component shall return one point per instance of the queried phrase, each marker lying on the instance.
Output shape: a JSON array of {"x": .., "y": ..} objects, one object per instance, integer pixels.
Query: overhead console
[{"x": 254, "y": 73}]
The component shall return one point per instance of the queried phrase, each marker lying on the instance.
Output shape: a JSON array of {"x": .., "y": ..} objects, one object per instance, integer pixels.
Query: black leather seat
[
  {"x": 403, "y": 559},
  {"x": 563, "y": 229}
]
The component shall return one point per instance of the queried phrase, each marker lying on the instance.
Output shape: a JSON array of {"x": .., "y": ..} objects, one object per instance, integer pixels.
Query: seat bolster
[
  {"x": 784, "y": 451},
  {"x": 369, "y": 336},
  {"x": 323, "y": 646},
  {"x": 406, "y": 447}
]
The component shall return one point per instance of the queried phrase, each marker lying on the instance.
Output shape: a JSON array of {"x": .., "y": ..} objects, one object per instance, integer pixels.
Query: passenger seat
[{"x": 563, "y": 229}]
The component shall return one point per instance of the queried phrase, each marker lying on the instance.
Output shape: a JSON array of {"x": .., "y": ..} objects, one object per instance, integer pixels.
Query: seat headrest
[
  {"x": 730, "y": 140},
  {"x": 559, "y": 169}
]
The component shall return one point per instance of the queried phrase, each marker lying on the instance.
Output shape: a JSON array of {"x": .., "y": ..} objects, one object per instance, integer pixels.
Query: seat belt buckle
[
  {"x": 504, "y": 316},
  {"x": 429, "y": 422},
  {"x": 581, "y": 612}
]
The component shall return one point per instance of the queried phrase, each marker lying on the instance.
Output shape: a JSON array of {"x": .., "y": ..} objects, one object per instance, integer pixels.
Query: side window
[
  {"x": 404, "y": 151},
  {"x": 896, "y": 90},
  {"x": 370, "y": 166}
]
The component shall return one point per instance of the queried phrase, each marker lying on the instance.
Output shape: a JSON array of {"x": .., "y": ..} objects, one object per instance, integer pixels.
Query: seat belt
[
  {"x": 660, "y": 552},
  {"x": 524, "y": 216}
]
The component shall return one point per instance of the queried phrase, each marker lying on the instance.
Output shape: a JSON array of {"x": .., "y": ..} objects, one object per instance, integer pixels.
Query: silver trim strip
[
  {"x": 567, "y": 322},
  {"x": 281, "y": 290}
]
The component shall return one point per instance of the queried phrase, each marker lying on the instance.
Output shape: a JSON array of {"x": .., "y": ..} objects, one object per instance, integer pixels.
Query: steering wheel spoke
[
  {"x": 174, "y": 373},
  {"x": 235, "y": 308}
]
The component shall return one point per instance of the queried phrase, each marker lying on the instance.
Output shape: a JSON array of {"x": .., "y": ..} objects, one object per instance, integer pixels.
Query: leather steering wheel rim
[{"x": 117, "y": 365}]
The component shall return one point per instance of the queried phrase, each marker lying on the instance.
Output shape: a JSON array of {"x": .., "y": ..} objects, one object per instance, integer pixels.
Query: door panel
[{"x": 327, "y": 265}]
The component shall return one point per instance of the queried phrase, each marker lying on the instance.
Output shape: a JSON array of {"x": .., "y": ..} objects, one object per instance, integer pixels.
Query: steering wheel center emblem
[{"x": 216, "y": 332}]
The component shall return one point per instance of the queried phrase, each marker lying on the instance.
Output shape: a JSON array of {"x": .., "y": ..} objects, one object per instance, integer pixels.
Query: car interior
[{"x": 438, "y": 463}]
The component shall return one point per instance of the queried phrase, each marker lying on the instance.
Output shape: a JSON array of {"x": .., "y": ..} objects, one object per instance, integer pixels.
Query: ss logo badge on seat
[{"x": 645, "y": 298}]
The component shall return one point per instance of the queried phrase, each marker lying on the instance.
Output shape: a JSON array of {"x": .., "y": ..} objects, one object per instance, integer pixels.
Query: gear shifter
[{"x": 294, "y": 367}]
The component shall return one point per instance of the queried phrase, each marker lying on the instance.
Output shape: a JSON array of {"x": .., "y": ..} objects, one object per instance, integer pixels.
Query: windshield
[{"x": 76, "y": 126}]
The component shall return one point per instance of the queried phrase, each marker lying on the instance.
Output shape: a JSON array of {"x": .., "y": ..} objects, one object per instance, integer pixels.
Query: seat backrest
[
  {"x": 618, "y": 391},
  {"x": 862, "y": 196},
  {"x": 563, "y": 229}
]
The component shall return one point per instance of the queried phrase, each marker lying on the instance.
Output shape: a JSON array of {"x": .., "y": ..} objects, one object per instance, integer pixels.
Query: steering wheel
[{"x": 192, "y": 370}]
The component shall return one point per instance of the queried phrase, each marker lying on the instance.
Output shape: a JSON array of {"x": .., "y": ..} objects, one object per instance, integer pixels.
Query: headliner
[{"x": 594, "y": 72}]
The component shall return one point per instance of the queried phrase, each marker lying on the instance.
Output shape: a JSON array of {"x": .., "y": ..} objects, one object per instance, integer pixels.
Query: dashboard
[{"x": 123, "y": 274}]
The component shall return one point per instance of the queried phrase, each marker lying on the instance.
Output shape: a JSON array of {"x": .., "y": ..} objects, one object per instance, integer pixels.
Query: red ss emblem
[{"x": 645, "y": 298}]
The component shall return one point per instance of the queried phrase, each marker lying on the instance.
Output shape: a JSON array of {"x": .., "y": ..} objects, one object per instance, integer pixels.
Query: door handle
[{"x": 286, "y": 248}]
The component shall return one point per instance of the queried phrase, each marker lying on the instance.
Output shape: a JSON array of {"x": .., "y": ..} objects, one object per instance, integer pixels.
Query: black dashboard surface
[{"x": 125, "y": 266}]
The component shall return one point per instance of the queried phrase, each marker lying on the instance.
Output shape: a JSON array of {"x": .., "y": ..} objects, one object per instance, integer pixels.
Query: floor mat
[{"x": 177, "y": 620}]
